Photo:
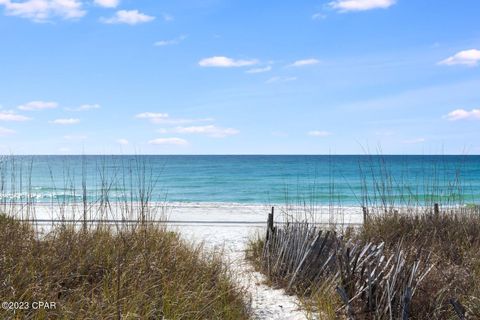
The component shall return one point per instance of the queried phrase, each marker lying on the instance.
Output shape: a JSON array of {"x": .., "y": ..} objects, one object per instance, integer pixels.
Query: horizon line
[{"x": 242, "y": 154}]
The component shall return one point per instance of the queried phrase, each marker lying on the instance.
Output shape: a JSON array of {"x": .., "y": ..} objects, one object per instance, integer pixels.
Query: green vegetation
[{"x": 123, "y": 272}]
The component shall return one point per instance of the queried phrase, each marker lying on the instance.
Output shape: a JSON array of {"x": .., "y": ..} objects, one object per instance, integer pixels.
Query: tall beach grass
[{"x": 95, "y": 258}]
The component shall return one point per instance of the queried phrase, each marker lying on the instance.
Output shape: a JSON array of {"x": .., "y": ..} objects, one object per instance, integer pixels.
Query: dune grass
[
  {"x": 93, "y": 268},
  {"x": 137, "y": 272},
  {"x": 436, "y": 258},
  {"x": 452, "y": 237}
]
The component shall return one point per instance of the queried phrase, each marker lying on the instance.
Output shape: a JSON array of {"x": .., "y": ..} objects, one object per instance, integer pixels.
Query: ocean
[{"x": 244, "y": 179}]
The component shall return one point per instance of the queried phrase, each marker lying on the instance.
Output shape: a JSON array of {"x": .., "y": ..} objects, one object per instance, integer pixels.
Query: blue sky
[{"x": 239, "y": 77}]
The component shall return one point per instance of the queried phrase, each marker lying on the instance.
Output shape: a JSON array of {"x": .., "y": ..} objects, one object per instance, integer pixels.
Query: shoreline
[{"x": 175, "y": 212}]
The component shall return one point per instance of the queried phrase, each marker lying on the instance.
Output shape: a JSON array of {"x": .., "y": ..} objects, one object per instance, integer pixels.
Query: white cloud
[
  {"x": 462, "y": 114},
  {"x": 85, "y": 107},
  {"x": 11, "y": 116},
  {"x": 131, "y": 17},
  {"x": 38, "y": 105},
  {"x": 318, "y": 16},
  {"x": 123, "y": 142},
  {"x": 164, "y": 43},
  {"x": 414, "y": 141},
  {"x": 107, "y": 3},
  {"x": 209, "y": 130},
  {"x": 319, "y": 133},
  {"x": 281, "y": 79},
  {"x": 259, "y": 70},
  {"x": 65, "y": 121},
  {"x": 151, "y": 115},
  {"x": 305, "y": 62},
  {"x": 225, "y": 62},
  {"x": 469, "y": 58},
  {"x": 154, "y": 117},
  {"x": 164, "y": 118},
  {"x": 360, "y": 5},
  {"x": 44, "y": 10},
  {"x": 169, "y": 141},
  {"x": 5, "y": 132}
]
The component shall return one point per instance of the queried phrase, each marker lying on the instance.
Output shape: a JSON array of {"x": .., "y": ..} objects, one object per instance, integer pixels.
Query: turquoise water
[{"x": 345, "y": 180}]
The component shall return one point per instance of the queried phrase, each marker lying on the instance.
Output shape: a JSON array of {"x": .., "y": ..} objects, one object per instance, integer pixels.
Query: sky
[{"x": 239, "y": 77}]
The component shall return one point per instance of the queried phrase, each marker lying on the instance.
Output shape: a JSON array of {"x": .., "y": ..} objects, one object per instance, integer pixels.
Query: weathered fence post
[
  {"x": 365, "y": 214},
  {"x": 270, "y": 223},
  {"x": 407, "y": 298},
  {"x": 268, "y": 243}
]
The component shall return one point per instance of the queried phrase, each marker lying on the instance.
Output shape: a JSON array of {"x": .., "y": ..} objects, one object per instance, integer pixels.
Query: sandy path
[
  {"x": 238, "y": 224},
  {"x": 266, "y": 302}
]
